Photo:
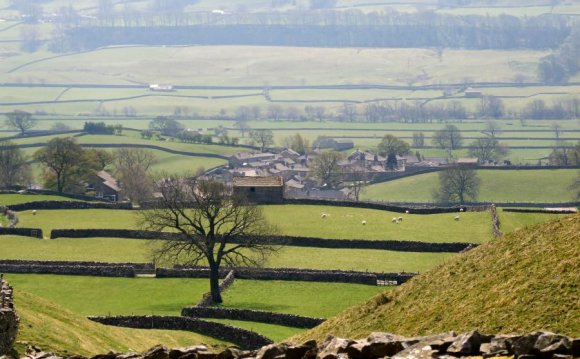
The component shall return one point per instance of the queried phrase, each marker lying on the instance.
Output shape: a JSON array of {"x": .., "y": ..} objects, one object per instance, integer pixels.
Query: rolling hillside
[
  {"x": 525, "y": 281},
  {"x": 54, "y": 328}
]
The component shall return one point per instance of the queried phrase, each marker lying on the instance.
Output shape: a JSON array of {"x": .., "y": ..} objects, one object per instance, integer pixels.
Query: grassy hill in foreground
[
  {"x": 525, "y": 281},
  {"x": 56, "y": 329}
]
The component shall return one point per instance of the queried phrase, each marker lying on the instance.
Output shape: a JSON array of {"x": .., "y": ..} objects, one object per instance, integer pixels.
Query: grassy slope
[
  {"x": 525, "y": 281},
  {"x": 9, "y": 199},
  {"x": 500, "y": 186},
  {"x": 57, "y": 329}
]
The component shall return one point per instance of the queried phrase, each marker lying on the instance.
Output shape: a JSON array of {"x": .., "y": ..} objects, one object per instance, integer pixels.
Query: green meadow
[
  {"x": 496, "y": 185},
  {"x": 300, "y": 220}
]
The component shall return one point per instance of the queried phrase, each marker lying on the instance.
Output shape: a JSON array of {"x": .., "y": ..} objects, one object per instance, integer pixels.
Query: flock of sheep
[{"x": 395, "y": 220}]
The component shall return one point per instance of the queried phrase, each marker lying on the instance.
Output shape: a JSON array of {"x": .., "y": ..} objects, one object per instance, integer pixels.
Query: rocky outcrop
[
  {"x": 379, "y": 345},
  {"x": 8, "y": 318}
]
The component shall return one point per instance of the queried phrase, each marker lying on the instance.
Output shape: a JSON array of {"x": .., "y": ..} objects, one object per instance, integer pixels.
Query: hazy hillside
[{"x": 525, "y": 281}]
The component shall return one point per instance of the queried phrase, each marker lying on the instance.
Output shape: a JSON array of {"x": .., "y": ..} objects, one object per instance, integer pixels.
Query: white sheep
[
  {"x": 407, "y": 211},
  {"x": 394, "y": 220},
  {"x": 400, "y": 219},
  {"x": 460, "y": 209},
  {"x": 456, "y": 218},
  {"x": 34, "y": 212},
  {"x": 364, "y": 223},
  {"x": 323, "y": 215}
]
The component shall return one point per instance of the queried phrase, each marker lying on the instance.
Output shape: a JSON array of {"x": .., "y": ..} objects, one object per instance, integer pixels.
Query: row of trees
[{"x": 345, "y": 28}]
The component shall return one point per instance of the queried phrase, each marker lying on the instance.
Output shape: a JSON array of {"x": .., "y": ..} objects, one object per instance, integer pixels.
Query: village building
[
  {"x": 105, "y": 186},
  {"x": 260, "y": 189},
  {"x": 468, "y": 162}
]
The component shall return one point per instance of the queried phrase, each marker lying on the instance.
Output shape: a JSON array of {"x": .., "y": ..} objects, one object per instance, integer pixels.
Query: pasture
[
  {"x": 300, "y": 220},
  {"x": 135, "y": 250},
  {"x": 496, "y": 186}
]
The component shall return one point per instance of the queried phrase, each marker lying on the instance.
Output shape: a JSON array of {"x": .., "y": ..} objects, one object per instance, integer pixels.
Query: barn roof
[{"x": 259, "y": 181}]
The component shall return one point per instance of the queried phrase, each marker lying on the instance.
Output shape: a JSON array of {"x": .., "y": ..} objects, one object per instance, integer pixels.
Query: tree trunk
[{"x": 214, "y": 283}]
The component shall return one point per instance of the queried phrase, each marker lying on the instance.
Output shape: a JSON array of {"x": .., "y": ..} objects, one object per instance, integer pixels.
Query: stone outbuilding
[
  {"x": 260, "y": 189},
  {"x": 106, "y": 186}
]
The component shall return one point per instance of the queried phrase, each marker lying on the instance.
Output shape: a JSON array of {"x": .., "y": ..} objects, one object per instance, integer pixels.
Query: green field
[
  {"x": 9, "y": 199},
  {"x": 135, "y": 250},
  {"x": 114, "y": 296},
  {"x": 140, "y": 296},
  {"x": 496, "y": 185},
  {"x": 511, "y": 221},
  {"x": 299, "y": 220}
]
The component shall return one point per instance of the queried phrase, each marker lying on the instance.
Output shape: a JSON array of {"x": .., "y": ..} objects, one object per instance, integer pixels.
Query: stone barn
[{"x": 269, "y": 189}]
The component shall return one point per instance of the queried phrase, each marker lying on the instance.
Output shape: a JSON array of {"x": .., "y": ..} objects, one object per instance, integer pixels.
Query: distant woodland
[{"x": 318, "y": 29}]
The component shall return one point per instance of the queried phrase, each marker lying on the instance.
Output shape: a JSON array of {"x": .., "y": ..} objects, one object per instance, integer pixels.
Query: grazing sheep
[
  {"x": 407, "y": 211},
  {"x": 34, "y": 212},
  {"x": 456, "y": 218},
  {"x": 400, "y": 219},
  {"x": 460, "y": 209},
  {"x": 364, "y": 223},
  {"x": 394, "y": 220},
  {"x": 323, "y": 215}
]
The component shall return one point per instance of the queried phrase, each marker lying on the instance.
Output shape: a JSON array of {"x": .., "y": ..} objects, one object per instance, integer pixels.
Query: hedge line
[
  {"x": 392, "y": 245},
  {"x": 289, "y": 320},
  {"x": 242, "y": 337}
]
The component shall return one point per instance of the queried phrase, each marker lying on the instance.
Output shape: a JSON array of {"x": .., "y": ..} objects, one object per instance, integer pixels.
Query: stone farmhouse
[
  {"x": 105, "y": 186},
  {"x": 260, "y": 189}
]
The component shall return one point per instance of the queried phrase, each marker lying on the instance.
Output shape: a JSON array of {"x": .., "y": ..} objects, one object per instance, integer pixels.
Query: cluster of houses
[{"x": 268, "y": 176}]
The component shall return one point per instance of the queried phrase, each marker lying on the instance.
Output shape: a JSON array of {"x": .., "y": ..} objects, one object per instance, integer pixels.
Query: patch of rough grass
[
  {"x": 522, "y": 282},
  {"x": 54, "y": 328}
]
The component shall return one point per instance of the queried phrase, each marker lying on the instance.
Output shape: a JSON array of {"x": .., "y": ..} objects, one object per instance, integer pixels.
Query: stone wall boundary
[
  {"x": 96, "y": 271},
  {"x": 25, "y": 232},
  {"x": 242, "y": 337},
  {"x": 290, "y": 274},
  {"x": 289, "y": 320},
  {"x": 547, "y": 211},
  {"x": 224, "y": 285},
  {"x": 391, "y": 245},
  {"x": 412, "y": 209},
  {"x": 49, "y": 205},
  {"x": 495, "y": 222},
  {"x": 9, "y": 319},
  {"x": 136, "y": 266}
]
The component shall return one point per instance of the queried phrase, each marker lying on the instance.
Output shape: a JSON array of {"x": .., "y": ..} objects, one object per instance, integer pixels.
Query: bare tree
[
  {"x": 275, "y": 112},
  {"x": 14, "y": 168},
  {"x": 359, "y": 179},
  {"x": 348, "y": 112},
  {"x": 456, "y": 185},
  {"x": 297, "y": 143},
  {"x": 448, "y": 138},
  {"x": 492, "y": 128},
  {"x": 487, "y": 149},
  {"x": 325, "y": 168},
  {"x": 263, "y": 138},
  {"x": 418, "y": 139},
  {"x": 210, "y": 219},
  {"x": 20, "y": 120},
  {"x": 133, "y": 173},
  {"x": 557, "y": 128}
]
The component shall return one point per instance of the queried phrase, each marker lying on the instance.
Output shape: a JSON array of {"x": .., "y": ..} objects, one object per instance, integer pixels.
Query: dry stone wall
[
  {"x": 242, "y": 337},
  {"x": 47, "y": 205},
  {"x": 8, "y": 318},
  {"x": 292, "y": 274},
  {"x": 289, "y": 320},
  {"x": 391, "y": 245}
]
